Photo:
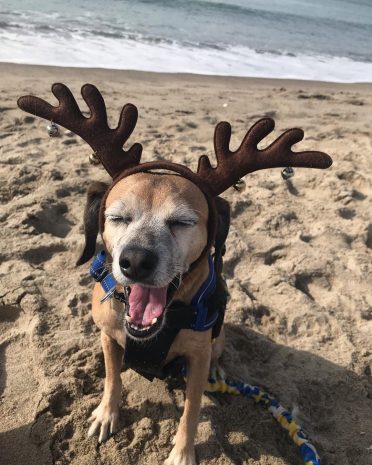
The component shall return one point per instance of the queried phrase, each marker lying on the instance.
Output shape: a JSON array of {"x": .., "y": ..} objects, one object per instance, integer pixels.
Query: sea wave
[
  {"x": 139, "y": 53},
  {"x": 222, "y": 37}
]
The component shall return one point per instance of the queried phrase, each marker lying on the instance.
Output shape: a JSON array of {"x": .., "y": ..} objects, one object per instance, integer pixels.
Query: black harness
[{"x": 148, "y": 357}]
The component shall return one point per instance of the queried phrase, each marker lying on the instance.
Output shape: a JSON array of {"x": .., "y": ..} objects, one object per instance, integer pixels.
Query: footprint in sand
[
  {"x": 281, "y": 224},
  {"x": 346, "y": 213},
  {"x": 239, "y": 207},
  {"x": 27, "y": 174},
  {"x": 312, "y": 284},
  {"x": 273, "y": 254},
  {"x": 29, "y": 119},
  {"x": 60, "y": 402},
  {"x": 21, "y": 378},
  {"x": 190, "y": 124},
  {"x": 43, "y": 253},
  {"x": 69, "y": 142},
  {"x": 49, "y": 219},
  {"x": 31, "y": 142},
  {"x": 22, "y": 181},
  {"x": 56, "y": 175}
]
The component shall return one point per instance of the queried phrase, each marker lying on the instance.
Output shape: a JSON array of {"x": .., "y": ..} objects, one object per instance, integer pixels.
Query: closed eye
[
  {"x": 119, "y": 219},
  {"x": 181, "y": 223}
]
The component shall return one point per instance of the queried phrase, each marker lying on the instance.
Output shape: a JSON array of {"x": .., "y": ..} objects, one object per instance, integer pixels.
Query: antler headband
[{"x": 108, "y": 143}]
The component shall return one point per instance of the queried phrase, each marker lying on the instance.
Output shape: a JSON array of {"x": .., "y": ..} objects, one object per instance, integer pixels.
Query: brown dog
[
  {"x": 167, "y": 215},
  {"x": 159, "y": 229}
]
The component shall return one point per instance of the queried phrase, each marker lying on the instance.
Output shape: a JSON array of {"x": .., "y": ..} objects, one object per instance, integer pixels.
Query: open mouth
[{"x": 146, "y": 308}]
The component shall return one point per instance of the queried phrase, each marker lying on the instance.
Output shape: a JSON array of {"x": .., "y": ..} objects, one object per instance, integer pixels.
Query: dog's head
[{"x": 155, "y": 227}]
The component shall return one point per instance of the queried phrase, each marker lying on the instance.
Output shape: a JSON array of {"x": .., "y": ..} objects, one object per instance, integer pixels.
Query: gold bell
[
  {"x": 94, "y": 159},
  {"x": 240, "y": 185}
]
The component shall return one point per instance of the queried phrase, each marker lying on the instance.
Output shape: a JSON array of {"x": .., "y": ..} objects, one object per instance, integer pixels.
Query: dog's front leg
[
  {"x": 183, "y": 452},
  {"x": 105, "y": 416}
]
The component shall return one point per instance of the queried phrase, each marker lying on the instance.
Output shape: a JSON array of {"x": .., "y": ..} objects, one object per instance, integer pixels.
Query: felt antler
[
  {"x": 107, "y": 143},
  {"x": 231, "y": 166}
]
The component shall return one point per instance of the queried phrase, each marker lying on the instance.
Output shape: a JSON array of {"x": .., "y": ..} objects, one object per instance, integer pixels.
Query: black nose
[{"x": 137, "y": 263}]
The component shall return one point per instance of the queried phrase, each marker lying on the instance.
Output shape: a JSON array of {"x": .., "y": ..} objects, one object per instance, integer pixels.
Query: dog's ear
[
  {"x": 95, "y": 194},
  {"x": 223, "y": 226}
]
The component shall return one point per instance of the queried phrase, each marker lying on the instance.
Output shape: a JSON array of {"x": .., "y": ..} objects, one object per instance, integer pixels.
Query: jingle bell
[
  {"x": 93, "y": 159},
  {"x": 240, "y": 185},
  {"x": 287, "y": 173},
  {"x": 52, "y": 129}
]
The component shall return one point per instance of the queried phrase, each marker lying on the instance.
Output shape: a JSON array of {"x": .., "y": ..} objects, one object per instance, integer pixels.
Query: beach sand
[{"x": 298, "y": 267}]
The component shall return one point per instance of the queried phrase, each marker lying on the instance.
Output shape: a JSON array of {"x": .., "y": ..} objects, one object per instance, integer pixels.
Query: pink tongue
[{"x": 146, "y": 303}]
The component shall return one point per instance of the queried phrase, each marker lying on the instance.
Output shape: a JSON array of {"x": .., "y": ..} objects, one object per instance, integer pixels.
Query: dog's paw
[
  {"x": 181, "y": 457},
  {"x": 105, "y": 419}
]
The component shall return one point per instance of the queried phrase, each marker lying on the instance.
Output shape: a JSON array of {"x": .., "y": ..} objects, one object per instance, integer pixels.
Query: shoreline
[{"x": 18, "y": 71}]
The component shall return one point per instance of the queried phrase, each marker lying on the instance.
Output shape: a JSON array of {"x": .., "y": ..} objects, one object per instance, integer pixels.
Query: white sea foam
[{"x": 104, "y": 52}]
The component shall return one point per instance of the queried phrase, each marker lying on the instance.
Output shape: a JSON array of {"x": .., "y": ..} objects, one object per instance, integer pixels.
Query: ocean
[{"x": 328, "y": 40}]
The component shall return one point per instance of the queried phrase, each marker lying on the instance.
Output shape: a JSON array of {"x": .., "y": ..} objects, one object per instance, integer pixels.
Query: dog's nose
[{"x": 137, "y": 263}]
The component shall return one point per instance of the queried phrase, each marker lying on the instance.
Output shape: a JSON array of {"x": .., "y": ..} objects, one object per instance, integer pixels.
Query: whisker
[{"x": 174, "y": 285}]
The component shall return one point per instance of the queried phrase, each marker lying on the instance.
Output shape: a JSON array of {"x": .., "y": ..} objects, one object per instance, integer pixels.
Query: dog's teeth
[
  {"x": 154, "y": 321},
  {"x": 128, "y": 318}
]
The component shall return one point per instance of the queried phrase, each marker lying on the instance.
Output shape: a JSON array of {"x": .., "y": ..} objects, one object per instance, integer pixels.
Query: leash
[{"x": 281, "y": 415}]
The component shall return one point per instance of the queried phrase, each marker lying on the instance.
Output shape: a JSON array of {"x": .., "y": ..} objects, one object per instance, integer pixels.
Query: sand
[{"x": 298, "y": 266}]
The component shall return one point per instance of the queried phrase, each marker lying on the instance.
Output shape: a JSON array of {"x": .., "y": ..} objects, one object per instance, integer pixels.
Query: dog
[
  {"x": 159, "y": 298},
  {"x": 155, "y": 227}
]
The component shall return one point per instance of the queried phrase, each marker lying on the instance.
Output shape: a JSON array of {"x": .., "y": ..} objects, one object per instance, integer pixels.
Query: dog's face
[{"x": 155, "y": 228}]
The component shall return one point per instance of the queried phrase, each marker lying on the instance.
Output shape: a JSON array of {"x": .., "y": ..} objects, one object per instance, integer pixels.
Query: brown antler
[
  {"x": 107, "y": 143},
  {"x": 231, "y": 166}
]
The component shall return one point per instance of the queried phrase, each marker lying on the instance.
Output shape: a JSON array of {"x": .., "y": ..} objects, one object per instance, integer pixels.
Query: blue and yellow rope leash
[{"x": 281, "y": 415}]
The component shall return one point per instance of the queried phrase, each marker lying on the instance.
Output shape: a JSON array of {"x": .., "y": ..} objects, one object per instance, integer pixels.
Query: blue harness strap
[
  {"x": 100, "y": 274},
  {"x": 199, "y": 301}
]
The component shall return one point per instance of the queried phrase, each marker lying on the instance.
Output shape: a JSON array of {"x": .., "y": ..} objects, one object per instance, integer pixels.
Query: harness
[{"x": 206, "y": 310}]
